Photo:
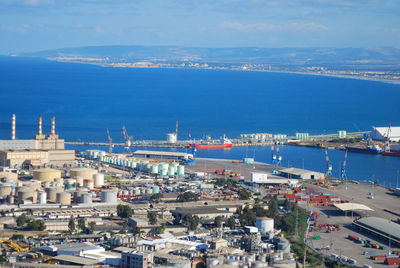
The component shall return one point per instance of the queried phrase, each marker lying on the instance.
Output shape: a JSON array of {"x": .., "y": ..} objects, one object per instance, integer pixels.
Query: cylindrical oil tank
[
  {"x": 46, "y": 174},
  {"x": 33, "y": 185},
  {"x": 85, "y": 173},
  {"x": 8, "y": 176},
  {"x": 88, "y": 183},
  {"x": 154, "y": 169},
  {"x": 181, "y": 170},
  {"x": 171, "y": 171},
  {"x": 172, "y": 138},
  {"x": 28, "y": 195},
  {"x": 109, "y": 196},
  {"x": 98, "y": 179},
  {"x": 5, "y": 189},
  {"x": 52, "y": 193},
  {"x": 79, "y": 181},
  {"x": 79, "y": 193},
  {"x": 155, "y": 189},
  {"x": 86, "y": 198},
  {"x": 265, "y": 224},
  {"x": 63, "y": 198},
  {"x": 42, "y": 197}
]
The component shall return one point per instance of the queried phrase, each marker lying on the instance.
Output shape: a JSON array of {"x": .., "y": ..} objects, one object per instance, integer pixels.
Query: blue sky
[{"x": 31, "y": 25}]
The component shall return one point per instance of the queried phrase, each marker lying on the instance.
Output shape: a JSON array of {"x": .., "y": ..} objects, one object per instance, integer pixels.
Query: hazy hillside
[{"x": 290, "y": 56}]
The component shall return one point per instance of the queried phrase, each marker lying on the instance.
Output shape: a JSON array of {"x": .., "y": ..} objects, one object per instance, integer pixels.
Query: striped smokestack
[
  {"x": 13, "y": 123},
  {"x": 40, "y": 126},
  {"x": 53, "y": 125}
]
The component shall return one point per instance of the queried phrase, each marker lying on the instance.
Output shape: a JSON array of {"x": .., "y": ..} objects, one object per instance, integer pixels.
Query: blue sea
[{"x": 87, "y": 99}]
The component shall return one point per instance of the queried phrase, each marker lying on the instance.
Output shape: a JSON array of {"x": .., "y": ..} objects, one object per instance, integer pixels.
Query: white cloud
[{"x": 295, "y": 26}]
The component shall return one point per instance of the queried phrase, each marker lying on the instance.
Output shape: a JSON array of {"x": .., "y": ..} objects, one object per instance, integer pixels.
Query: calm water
[{"x": 88, "y": 99}]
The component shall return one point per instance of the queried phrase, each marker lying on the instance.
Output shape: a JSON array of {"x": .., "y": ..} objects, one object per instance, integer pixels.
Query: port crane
[
  {"x": 127, "y": 138},
  {"x": 386, "y": 146},
  {"x": 328, "y": 164},
  {"x": 343, "y": 167},
  {"x": 110, "y": 144},
  {"x": 276, "y": 157}
]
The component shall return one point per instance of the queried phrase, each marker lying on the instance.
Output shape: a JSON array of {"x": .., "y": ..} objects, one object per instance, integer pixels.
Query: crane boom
[
  {"x": 110, "y": 144},
  {"x": 343, "y": 167},
  {"x": 127, "y": 138},
  {"x": 328, "y": 164}
]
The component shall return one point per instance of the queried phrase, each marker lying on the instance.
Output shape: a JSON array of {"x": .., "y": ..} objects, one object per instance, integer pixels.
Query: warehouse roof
[
  {"x": 393, "y": 133},
  {"x": 160, "y": 153},
  {"x": 352, "y": 206},
  {"x": 380, "y": 226},
  {"x": 76, "y": 259},
  {"x": 297, "y": 171}
]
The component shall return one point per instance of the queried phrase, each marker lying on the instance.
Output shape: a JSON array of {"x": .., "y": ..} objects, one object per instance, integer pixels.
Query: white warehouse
[{"x": 380, "y": 133}]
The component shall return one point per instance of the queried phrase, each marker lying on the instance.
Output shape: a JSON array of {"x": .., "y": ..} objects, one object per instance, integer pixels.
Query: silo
[
  {"x": 154, "y": 169},
  {"x": 265, "y": 224},
  {"x": 79, "y": 181},
  {"x": 155, "y": 189},
  {"x": 27, "y": 194},
  {"x": 63, "y": 198},
  {"x": 109, "y": 196},
  {"x": 42, "y": 197},
  {"x": 98, "y": 180},
  {"x": 181, "y": 170},
  {"x": 52, "y": 193},
  {"x": 46, "y": 174},
  {"x": 86, "y": 198},
  {"x": 85, "y": 173},
  {"x": 171, "y": 171},
  {"x": 5, "y": 189},
  {"x": 88, "y": 183},
  {"x": 79, "y": 193}
]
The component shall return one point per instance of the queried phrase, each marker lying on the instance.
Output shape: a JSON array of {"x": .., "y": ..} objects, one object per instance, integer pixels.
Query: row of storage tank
[
  {"x": 149, "y": 190},
  {"x": 162, "y": 169},
  {"x": 65, "y": 198}
]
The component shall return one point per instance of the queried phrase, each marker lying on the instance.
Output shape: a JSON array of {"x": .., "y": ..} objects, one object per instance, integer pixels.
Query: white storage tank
[
  {"x": 155, "y": 189},
  {"x": 172, "y": 138},
  {"x": 46, "y": 174},
  {"x": 265, "y": 224},
  {"x": 79, "y": 193},
  {"x": 98, "y": 180},
  {"x": 109, "y": 196},
  {"x": 181, "y": 170},
  {"x": 42, "y": 197},
  {"x": 88, "y": 183},
  {"x": 79, "y": 181},
  {"x": 171, "y": 171},
  {"x": 86, "y": 198},
  {"x": 63, "y": 198},
  {"x": 85, "y": 173}
]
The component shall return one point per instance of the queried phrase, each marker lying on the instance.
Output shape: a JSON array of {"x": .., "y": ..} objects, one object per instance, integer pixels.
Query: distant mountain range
[{"x": 388, "y": 56}]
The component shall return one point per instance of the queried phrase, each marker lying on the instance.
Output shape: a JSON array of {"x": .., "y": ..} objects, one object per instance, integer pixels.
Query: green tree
[
  {"x": 36, "y": 225},
  {"x": 187, "y": 197},
  {"x": 247, "y": 217},
  {"x": 191, "y": 221},
  {"x": 218, "y": 221},
  {"x": 124, "y": 211},
  {"x": 71, "y": 225},
  {"x": 92, "y": 226},
  {"x": 21, "y": 220},
  {"x": 82, "y": 223},
  {"x": 244, "y": 194},
  {"x": 231, "y": 222},
  {"x": 273, "y": 211},
  {"x": 156, "y": 198},
  {"x": 152, "y": 217},
  {"x": 260, "y": 211},
  {"x": 160, "y": 229}
]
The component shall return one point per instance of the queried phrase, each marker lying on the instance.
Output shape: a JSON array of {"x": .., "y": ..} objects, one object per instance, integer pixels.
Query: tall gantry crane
[
  {"x": 328, "y": 164},
  {"x": 127, "y": 138},
  {"x": 386, "y": 146},
  {"x": 110, "y": 144},
  {"x": 343, "y": 167},
  {"x": 276, "y": 157}
]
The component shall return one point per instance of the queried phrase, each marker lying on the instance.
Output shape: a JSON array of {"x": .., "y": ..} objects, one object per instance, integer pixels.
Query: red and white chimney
[
  {"x": 13, "y": 125},
  {"x": 53, "y": 125},
  {"x": 40, "y": 126}
]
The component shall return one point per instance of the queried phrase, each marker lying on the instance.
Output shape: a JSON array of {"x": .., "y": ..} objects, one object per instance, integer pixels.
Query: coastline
[{"x": 390, "y": 81}]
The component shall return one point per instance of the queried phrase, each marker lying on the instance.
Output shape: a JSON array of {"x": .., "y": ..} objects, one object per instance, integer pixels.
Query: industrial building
[
  {"x": 297, "y": 173},
  {"x": 384, "y": 133},
  {"x": 43, "y": 150},
  {"x": 381, "y": 227},
  {"x": 163, "y": 155}
]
